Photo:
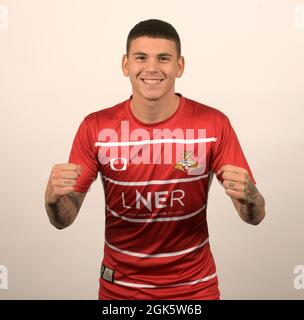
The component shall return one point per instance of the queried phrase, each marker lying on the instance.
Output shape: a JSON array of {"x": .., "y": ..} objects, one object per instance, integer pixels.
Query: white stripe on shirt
[
  {"x": 154, "y": 141},
  {"x": 140, "y": 285},
  {"x": 157, "y": 255},
  {"x": 145, "y": 183}
]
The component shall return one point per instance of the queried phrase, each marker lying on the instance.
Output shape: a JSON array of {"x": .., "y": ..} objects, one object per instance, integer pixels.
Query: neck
[{"x": 152, "y": 111}]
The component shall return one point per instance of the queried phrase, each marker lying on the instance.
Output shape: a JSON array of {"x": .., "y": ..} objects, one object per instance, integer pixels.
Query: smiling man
[
  {"x": 152, "y": 66},
  {"x": 156, "y": 154}
]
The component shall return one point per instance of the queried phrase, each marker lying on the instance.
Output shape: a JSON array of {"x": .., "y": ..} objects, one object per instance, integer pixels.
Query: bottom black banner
[{"x": 139, "y": 309}]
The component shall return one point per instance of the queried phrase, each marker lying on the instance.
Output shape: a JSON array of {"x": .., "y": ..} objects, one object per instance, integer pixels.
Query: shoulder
[
  {"x": 107, "y": 113},
  {"x": 206, "y": 111},
  {"x": 98, "y": 120}
]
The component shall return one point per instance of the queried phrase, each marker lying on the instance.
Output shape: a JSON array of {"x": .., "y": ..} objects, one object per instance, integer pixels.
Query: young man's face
[{"x": 152, "y": 66}]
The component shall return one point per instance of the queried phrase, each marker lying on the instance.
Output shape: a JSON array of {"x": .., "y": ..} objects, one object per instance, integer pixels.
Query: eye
[
  {"x": 140, "y": 58},
  {"x": 164, "y": 59}
]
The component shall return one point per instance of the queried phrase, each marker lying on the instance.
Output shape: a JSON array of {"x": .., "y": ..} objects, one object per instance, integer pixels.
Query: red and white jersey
[{"x": 156, "y": 179}]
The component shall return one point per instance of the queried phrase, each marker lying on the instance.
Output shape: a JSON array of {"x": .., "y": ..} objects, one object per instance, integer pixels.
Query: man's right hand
[{"x": 62, "y": 181}]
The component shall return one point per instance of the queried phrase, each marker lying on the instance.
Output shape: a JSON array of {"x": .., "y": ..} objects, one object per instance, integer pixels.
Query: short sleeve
[
  {"x": 227, "y": 149},
  {"x": 83, "y": 153}
]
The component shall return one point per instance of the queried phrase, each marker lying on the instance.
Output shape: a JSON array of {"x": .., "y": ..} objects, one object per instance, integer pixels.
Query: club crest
[{"x": 186, "y": 163}]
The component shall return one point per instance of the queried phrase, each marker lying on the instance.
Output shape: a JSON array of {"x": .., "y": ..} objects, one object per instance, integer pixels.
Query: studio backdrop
[{"x": 61, "y": 60}]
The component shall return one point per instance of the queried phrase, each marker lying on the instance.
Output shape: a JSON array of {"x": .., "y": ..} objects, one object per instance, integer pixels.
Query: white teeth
[{"x": 151, "y": 81}]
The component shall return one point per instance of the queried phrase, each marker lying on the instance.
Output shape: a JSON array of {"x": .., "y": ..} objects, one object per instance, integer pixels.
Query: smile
[{"x": 151, "y": 81}]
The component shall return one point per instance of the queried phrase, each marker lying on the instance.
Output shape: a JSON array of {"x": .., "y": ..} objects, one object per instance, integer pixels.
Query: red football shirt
[{"x": 156, "y": 179}]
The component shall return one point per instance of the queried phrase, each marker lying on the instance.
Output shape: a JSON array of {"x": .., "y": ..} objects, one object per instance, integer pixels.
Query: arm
[
  {"x": 62, "y": 203},
  {"x": 63, "y": 212},
  {"x": 246, "y": 198}
]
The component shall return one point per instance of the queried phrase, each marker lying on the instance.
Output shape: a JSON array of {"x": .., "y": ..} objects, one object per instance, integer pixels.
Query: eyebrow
[{"x": 163, "y": 54}]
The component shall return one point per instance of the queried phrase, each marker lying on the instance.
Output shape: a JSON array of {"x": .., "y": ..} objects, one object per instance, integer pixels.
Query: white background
[{"x": 60, "y": 60}]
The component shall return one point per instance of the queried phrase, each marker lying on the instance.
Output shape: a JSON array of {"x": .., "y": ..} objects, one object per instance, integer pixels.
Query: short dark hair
[{"x": 154, "y": 28}]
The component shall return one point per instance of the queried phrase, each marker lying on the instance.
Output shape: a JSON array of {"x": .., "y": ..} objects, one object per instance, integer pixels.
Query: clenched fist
[
  {"x": 237, "y": 183},
  {"x": 62, "y": 181}
]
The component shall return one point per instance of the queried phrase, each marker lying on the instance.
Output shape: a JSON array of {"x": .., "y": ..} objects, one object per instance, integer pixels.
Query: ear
[
  {"x": 124, "y": 65},
  {"x": 181, "y": 66}
]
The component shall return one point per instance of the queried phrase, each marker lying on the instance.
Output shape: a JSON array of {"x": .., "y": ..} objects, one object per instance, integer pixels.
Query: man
[{"x": 156, "y": 154}]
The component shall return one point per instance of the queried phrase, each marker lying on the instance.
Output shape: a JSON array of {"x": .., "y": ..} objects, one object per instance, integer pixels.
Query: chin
[{"x": 152, "y": 96}]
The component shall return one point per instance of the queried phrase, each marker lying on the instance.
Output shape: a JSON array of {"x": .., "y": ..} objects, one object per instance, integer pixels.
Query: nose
[{"x": 151, "y": 65}]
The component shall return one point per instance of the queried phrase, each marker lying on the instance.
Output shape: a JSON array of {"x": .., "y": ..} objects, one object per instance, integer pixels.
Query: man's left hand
[{"x": 237, "y": 183}]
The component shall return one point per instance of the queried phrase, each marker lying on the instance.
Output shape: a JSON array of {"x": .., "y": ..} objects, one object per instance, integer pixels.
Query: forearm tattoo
[
  {"x": 249, "y": 206},
  {"x": 65, "y": 209},
  {"x": 251, "y": 193}
]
